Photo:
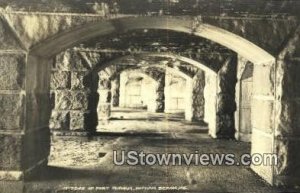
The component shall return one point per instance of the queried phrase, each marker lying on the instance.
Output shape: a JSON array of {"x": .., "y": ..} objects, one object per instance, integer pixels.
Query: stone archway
[
  {"x": 35, "y": 94},
  {"x": 196, "y": 84}
]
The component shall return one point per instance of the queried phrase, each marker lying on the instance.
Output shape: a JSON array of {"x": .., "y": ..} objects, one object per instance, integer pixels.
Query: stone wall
[
  {"x": 226, "y": 105},
  {"x": 71, "y": 87},
  {"x": 243, "y": 97},
  {"x": 198, "y": 96},
  {"x": 115, "y": 91},
  {"x": 141, "y": 86},
  {"x": 210, "y": 96},
  {"x": 175, "y": 92},
  {"x": 287, "y": 110}
]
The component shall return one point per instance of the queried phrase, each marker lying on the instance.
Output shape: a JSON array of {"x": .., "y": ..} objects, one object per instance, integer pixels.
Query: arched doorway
[{"x": 37, "y": 73}]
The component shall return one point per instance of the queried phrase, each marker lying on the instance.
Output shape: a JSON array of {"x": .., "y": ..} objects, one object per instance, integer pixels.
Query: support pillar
[
  {"x": 104, "y": 104},
  {"x": 25, "y": 112},
  {"x": 115, "y": 91},
  {"x": 210, "y": 106},
  {"x": 243, "y": 97},
  {"x": 226, "y": 99},
  {"x": 160, "y": 95},
  {"x": 262, "y": 115},
  {"x": 287, "y": 119},
  {"x": 195, "y": 108}
]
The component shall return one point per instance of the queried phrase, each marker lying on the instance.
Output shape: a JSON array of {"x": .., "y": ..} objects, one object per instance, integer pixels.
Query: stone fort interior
[{"x": 91, "y": 76}]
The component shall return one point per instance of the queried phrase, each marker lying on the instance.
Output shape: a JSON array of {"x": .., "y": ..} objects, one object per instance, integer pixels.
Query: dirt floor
[{"x": 86, "y": 165}]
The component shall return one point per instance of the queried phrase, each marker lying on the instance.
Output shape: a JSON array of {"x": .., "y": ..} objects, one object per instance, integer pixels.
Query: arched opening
[
  {"x": 263, "y": 62},
  {"x": 131, "y": 70}
]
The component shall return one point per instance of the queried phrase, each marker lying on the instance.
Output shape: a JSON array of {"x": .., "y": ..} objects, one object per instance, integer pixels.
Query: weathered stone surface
[
  {"x": 77, "y": 122},
  {"x": 225, "y": 126},
  {"x": 210, "y": 106},
  {"x": 63, "y": 61},
  {"x": 79, "y": 101},
  {"x": 243, "y": 98},
  {"x": 264, "y": 80},
  {"x": 63, "y": 100},
  {"x": 160, "y": 95},
  {"x": 10, "y": 148},
  {"x": 104, "y": 84},
  {"x": 78, "y": 80},
  {"x": 198, "y": 96},
  {"x": 67, "y": 100},
  {"x": 115, "y": 92},
  {"x": 77, "y": 63},
  {"x": 33, "y": 28},
  {"x": 180, "y": 7},
  {"x": 12, "y": 71},
  {"x": 71, "y": 60},
  {"x": 288, "y": 79},
  {"x": 288, "y": 119},
  {"x": 262, "y": 144},
  {"x": 104, "y": 96},
  {"x": 104, "y": 111},
  {"x": 12, "y": 111},
  {"x": 7, "y": 39},
  {"x": 288, "y": 168},
  {"x": 226, "y": 105},
  {"x": 261, "y": 115},
  {"x": 92, "y": 59},
  {"x": 60, "y": 120},
  {"x": 60, "y": 80}
]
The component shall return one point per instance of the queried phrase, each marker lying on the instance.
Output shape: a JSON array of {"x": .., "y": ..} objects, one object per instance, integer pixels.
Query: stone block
[
  {"x": 104, "y": 111},
  {"x": 12, "y": 111},
  {"x": 62, "y": 61},
  {"x": 104, "y": 84},
  {"x": 63, "y": 100},
  {"x": 288, "y": 119},
  {"x": 289, "y": 79},
  {"x": 263, "y": 80},
  {"x": 12, "y": 71},
  {"x": 78, "y": 80},
  {"x": 104, "y": 96},
  {"x": 10, "y": 148},
  {"x": 60, "y": 120},
  {"x": 77, "y": 62},
  {"x": 8, "y": 40},
  {"x": 60, "y": 80},
  {"x": 262, "y": 115},
  {"x": 79, "y": 101},
  {"x": 68, "y": 100},
  {"x": 262, "y": 143},
  {"x": 77, "y": 122},
  {"x": 288, "y": 168}
]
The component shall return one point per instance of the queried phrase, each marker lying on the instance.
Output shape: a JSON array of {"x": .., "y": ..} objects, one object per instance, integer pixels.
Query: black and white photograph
[{"x": 149, "y": 96}]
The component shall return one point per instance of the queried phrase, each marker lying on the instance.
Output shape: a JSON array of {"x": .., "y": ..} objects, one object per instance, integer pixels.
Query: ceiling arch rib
[{"x": 62, "y": 41}]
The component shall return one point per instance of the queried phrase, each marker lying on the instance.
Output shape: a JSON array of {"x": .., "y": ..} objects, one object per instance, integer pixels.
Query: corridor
[
  {"x": 87, "y": 163},
  {"x": 139, "y": 121},
  {"x": 84, "y": 80}
]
